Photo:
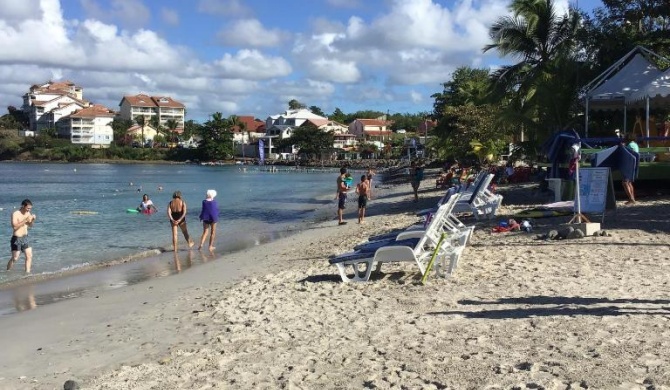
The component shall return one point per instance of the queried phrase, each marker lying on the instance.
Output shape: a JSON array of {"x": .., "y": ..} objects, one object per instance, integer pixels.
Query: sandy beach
[{"x": 518, "y": 313}]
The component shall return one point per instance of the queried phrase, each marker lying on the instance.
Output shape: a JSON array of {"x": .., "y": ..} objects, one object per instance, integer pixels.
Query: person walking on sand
[
  {"x": 627, "y": 182},
  {"x": 341, "y": 195},
  {"x": 416, "y": 175},
  {"x": 22, "y": 219},
  {"x": 209, "y": 217},
  {"x": 176, "y": 212},
  {"x": 363, "y": 191}
]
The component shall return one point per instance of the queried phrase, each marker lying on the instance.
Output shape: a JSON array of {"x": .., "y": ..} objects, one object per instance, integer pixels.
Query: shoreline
[
  {"x": 43, "y": 340},
  {"x": 53, "y": 282},
  {"x": 517, "y": 313}
]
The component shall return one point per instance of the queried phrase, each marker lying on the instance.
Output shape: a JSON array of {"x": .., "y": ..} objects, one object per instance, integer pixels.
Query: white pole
[
  {"x": 625, "y": 119},
  {"x": 578, "y": 206},
  {"x": 647, "y": 124},
  {"x": 586, "y": 118}
]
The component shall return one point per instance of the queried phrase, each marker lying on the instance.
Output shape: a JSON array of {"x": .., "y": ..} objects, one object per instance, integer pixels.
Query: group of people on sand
[{"x": 363, "y": 189}]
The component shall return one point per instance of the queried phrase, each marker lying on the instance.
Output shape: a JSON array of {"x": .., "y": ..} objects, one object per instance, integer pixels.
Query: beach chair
[
  {"x": 408, "y": 246},
  {"x": 465, "y": 189},
  {"x": 482, "y": 203}
]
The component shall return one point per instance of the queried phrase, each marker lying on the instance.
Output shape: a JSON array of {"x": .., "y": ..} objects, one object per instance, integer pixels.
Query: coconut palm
[
  {"x": 544, "y": 44},
  {"x": 171, "y": 125},
  {"x": 141, "y": 121}
]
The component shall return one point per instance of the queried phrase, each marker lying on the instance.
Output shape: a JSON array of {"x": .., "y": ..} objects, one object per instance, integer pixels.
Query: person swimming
[{"x": 146, "y": 206}]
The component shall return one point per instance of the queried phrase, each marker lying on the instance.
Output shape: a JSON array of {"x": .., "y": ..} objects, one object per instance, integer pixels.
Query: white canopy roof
[
  {"x": 657, "y": 90},
  {"x": 615, "y": 89}
]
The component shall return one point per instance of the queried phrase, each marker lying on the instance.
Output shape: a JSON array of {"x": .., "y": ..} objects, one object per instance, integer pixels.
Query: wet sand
[{"x": 518, "y": 313}]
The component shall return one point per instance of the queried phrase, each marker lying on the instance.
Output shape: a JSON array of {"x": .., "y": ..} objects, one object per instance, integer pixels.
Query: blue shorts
[
  {"x": 19, "y": 244},
  {"x": 342, "y": 200}
]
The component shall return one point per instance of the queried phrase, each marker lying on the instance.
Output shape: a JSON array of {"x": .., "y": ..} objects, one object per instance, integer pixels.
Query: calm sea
[{"x": 82, "y": 218}]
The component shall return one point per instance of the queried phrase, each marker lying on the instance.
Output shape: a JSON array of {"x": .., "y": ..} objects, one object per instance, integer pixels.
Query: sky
[{"x": 249, "y": 57}]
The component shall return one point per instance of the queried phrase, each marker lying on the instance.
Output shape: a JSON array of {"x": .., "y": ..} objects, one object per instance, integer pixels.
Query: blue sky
[{"x": 249, "y": 57}]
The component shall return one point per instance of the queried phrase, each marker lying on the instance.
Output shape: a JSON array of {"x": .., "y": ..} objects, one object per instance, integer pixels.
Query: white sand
[{"x": 518, "y": 313}]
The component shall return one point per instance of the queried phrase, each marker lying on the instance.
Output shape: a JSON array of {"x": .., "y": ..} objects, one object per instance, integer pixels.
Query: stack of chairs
[{"x": 418, "y": 244}]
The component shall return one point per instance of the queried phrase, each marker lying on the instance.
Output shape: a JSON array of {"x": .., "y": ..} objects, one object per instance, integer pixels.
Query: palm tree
[
  {"x": 141, "y": 121},
  {"x": 172, "y": 125},
  {"x": 544, "y": 43}
]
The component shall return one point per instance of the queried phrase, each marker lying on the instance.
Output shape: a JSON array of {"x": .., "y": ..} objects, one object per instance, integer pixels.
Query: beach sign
[{"x": 596, "y": 190}]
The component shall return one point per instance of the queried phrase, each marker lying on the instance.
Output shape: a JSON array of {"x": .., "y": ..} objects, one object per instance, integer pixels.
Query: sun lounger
[
  {"x": 482, "y": 203},
  {"x": 361, "y": 268},
  {"x": 415, "y": 246}
]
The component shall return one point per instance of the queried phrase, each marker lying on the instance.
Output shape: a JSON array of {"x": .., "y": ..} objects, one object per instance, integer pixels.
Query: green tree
[
  {"x": 191, "y": 128},
  {"x": 171, "y": 125},
  {"x": 309, "y": 140},
  {"x": 467, "y": 86},
  {"x": 141, "y": 121},
  {"x": 293, "y": 104},
  {"x": 120, "y": 130},
  {"x": 460, "y": 126},
  {"x": 339, "y": 116},
  {"x": 217, "y": 138},
  {"x": 544, "y": 43},
  {"x": 317, "y": 111}
]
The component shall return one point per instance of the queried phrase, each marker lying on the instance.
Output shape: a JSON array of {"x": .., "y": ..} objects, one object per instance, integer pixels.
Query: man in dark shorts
[
  {"x": 341, "y": 195},
  {"x": 363, "y": 191},
  {"x": 22, "y": 219}
]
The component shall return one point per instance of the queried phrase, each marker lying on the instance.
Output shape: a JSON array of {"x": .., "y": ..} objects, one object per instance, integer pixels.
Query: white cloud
[
  {"x": 416, "y": 97},
  {"x": 250, "y": 32},
  {"x": 224, "y": 7},
  {"x": 170, "y": 16},
  {"x": 344, "y": 3},
  {"x": 13, "y": 10},
  {"x": 130, "y": 13},
  {"x": 330, "y": 69},
  {"x": 250, "y": 65}
]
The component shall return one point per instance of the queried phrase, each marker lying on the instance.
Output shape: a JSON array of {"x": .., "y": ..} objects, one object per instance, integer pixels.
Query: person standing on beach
[
  {"x": 209, "y": 217},
  {"x": 416, "y": 175},
  {"x": 341, "y": 195},
  {"x": 627, "y": 182},
  {"x": 363, "y": 191},
  {"x": 176, "y": 212},
  {"x": 370, "y": 174},
  {"x": 22, "y": 219}
]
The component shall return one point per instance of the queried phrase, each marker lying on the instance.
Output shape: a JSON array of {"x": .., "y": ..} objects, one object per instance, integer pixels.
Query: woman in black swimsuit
[{"x": 176, "y": 212}]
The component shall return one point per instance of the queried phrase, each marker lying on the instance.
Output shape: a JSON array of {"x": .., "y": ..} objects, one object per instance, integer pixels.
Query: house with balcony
[
  {"x": 343, "y": 140},
  {"x": 153, "y": 108},
  {"x": 371, "y": 129},
  {"x": 45, "y": 104},
  {"x": 88, "y": 126}
]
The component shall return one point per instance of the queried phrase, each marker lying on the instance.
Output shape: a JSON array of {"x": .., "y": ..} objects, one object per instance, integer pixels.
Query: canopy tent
[
  {"x": 657, "y": 91},
  {"x": 627, "y": 82}
]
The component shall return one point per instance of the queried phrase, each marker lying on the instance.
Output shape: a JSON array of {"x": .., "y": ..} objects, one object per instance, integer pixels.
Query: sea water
[{"x": 82, "y": 218}]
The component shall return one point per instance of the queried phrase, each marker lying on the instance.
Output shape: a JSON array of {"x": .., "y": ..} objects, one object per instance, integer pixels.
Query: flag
[{"x": 261, "y": 151}]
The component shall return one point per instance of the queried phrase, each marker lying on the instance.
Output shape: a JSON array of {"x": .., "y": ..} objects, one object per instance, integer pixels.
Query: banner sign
[{"x": 261, "y": 151}]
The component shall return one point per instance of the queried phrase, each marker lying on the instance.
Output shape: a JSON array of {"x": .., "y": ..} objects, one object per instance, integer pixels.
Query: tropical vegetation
[{"x": 478, "y": 113}]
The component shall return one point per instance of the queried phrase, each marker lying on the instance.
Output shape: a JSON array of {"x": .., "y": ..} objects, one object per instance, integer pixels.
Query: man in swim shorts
[
  {"x": 341, "y": 195},
  {"x": 22, "y": 219}
]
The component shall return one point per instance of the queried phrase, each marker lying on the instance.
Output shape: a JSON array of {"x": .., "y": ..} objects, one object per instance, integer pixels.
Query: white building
[
  {"x": 293, "y": 118},
  {"x": 88, "y": 126},
  {"x": 45, "y": 104},
  {"x": 162, "y": 107}
]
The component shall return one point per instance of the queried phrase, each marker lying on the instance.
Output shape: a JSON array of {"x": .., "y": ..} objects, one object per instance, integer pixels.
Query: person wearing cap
[{"x": 209, "y": 217}]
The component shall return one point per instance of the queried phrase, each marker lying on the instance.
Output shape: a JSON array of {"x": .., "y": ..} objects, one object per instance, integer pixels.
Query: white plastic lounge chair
[
  {"x": 482, "y": 203},
  {"x": 400, "y": 250}
]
